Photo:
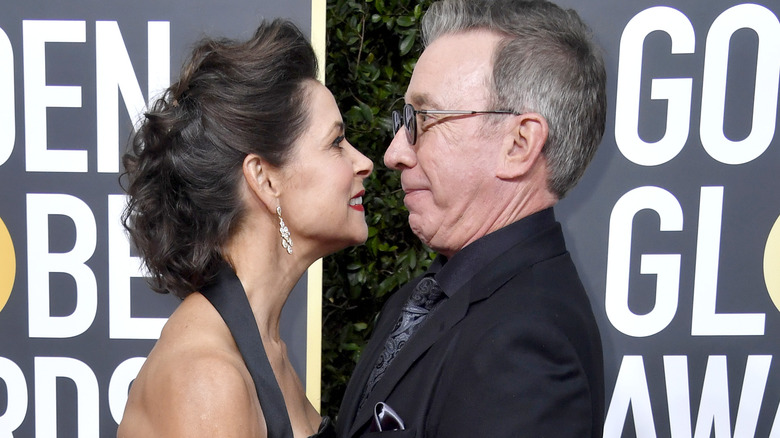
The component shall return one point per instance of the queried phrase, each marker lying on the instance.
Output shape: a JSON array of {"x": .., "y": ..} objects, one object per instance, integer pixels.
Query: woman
[{"x": 239, "y": 179}]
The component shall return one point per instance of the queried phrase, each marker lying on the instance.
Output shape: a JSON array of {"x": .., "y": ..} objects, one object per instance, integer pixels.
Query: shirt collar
[{"x": 463, "y": 265}]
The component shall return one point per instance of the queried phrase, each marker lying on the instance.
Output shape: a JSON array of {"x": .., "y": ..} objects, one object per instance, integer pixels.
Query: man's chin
[{"x": 416, "y": 225}]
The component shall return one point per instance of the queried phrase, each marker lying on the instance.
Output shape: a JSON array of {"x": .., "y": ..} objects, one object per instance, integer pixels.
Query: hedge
[{"x": 371, "y": 50}]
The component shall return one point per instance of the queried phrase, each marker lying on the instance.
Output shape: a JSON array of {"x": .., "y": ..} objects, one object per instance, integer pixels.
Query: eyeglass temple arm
[{"x": 464, "y": 112}]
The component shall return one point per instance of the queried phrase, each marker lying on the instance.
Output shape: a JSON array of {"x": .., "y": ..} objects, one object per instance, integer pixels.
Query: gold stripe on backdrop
[{"x": 314, "y": 274}]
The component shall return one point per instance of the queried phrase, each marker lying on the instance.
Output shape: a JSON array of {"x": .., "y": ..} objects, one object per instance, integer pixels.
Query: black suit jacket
[{"x": 515, "y": 352}]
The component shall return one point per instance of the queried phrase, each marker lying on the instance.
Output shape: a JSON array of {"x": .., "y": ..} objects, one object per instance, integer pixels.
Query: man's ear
[
  {"x": 262, "y": 180},
  {"x": 522, "y": 146}
]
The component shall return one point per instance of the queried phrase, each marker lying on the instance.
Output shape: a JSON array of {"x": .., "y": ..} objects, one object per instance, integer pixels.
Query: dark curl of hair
[{"x": 233, "y": 98}]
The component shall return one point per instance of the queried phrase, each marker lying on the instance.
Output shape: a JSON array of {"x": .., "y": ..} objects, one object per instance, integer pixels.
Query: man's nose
[{"x": 400, "y": 154}]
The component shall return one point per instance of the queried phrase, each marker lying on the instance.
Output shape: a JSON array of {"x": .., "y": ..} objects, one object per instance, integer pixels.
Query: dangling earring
[{"x": 284, "y": 231}]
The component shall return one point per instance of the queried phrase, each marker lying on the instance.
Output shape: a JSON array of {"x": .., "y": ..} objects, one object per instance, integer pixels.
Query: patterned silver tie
[{"x": 424, "y": 299}]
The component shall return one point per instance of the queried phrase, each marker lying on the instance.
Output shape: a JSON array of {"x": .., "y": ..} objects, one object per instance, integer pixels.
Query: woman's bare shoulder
[{"x": 194, "y": 383}]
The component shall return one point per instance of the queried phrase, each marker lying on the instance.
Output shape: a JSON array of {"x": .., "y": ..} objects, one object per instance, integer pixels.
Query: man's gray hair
[{"x": 548, "y": 64}]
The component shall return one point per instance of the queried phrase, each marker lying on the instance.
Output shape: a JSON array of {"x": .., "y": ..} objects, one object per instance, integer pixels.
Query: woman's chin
[{"x": 360, "y": 238}]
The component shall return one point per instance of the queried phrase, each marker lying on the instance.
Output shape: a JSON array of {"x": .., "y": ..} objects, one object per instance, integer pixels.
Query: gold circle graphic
[
  {"x": 7, "y": 265},
  {"x": 772, "y": 264}
]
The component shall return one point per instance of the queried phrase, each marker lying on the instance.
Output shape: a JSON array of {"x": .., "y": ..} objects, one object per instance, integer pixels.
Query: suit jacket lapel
[
  {"x": 353, "y": 393},
  {"x": 446, "y": 316}
]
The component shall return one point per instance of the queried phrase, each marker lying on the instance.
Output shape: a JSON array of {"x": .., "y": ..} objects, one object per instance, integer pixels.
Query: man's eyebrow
[{"x": 421, "y": 99}]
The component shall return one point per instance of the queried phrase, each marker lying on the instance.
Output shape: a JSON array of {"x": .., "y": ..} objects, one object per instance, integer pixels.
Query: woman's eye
[{"x": 337, "y": 141}]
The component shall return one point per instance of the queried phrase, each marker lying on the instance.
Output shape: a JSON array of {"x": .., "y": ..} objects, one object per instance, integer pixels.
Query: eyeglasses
[{"x": 409, "y": 118}]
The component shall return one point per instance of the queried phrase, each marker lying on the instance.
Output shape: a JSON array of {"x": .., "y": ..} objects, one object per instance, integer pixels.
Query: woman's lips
[{"x": 356, "y": 203}]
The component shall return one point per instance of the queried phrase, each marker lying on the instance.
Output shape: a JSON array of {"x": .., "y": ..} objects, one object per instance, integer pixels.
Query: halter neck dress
[{"x": 227, "y": 295}]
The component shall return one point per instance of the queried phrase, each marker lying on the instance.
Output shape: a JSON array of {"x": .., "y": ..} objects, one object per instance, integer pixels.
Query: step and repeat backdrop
[
  {"x": 76, "y": 318},
  {"x": 675, "y": 227}
]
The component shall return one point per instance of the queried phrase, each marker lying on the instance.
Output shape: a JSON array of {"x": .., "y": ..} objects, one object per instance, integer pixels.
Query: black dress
[{"x": 227, "y": 295}]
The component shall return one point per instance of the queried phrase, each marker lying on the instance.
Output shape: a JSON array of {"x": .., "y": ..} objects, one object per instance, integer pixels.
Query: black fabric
[
  {"x": 424, "y": 299},
  {"x": 514, "y": 351},
  {"x": 227, "y": 295},
  {"x": 456, "y": 271},
  {"x": 327, "y": 429}
]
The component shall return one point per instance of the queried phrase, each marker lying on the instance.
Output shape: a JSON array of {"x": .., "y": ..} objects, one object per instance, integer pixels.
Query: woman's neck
[{"x": 267, "y": 273}]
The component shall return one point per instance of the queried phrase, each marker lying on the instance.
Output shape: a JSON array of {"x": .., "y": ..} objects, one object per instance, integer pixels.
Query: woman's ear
[
  {"x": 522, "y": 146},
  {"x": 262, "y": 181}
]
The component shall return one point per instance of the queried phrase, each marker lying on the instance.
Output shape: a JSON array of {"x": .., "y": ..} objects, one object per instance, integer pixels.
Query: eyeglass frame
[{"x": 410, "y": 118}]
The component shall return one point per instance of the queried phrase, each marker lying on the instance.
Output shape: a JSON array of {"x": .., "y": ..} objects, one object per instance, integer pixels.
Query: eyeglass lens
[{"x": 409, "y": 120}]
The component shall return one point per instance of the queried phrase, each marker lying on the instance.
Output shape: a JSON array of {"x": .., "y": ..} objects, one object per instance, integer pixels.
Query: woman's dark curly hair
[{"x": 233, "y": 98}]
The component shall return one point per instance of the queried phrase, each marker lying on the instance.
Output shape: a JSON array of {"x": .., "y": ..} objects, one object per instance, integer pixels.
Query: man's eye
[{"x": 426, "y": 121}]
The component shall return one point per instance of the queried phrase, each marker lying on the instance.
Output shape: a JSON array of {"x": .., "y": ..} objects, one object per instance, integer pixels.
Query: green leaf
[
  {"x": 350, "y": 346},
  {"x": 405, "y": 21},
  {"x": 368, "y": 115},
  {"x": 406, "y": 44}
]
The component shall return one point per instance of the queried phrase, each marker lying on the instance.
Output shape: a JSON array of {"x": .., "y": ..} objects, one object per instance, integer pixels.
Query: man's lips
[
  {"x": 411, "y": 185},
  {"x": 356, "y": 202},
  {"x": 411, "y": 192}
]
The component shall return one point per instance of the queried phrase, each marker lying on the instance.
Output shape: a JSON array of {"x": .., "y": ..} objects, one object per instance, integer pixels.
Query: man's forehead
[{"x": 452, "y": 68}]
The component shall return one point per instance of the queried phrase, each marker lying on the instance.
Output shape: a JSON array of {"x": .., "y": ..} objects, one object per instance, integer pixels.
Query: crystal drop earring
[{"x": 284, "y": 231}]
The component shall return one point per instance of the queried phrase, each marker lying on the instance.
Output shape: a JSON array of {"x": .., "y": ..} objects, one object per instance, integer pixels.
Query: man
[{"x": 505, "y": 109}]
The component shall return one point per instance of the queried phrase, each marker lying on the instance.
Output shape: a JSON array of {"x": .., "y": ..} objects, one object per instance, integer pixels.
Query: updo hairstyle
[{"x": 233, "y": 98}]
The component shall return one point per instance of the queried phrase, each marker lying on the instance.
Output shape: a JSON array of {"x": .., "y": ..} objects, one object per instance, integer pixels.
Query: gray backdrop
[
  {"x": 76, "y": 321},
  {"x": 670, "y": 225}
]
